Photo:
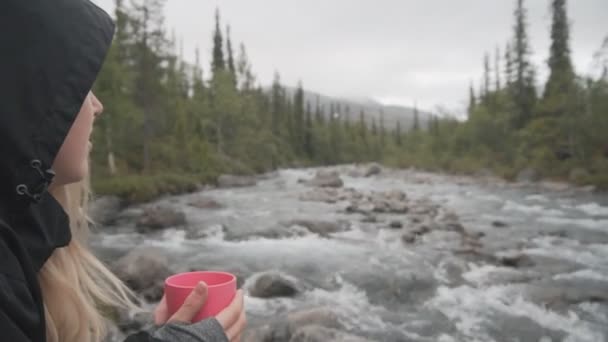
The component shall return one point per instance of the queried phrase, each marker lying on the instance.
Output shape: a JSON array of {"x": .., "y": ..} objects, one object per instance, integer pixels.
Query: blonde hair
[{"x": 76, "y": 286}]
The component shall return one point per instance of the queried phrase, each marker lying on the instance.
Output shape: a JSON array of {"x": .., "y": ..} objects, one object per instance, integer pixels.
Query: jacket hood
[{"x": 51, "y": 53}]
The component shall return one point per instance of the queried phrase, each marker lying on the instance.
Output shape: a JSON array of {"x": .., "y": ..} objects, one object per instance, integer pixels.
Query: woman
[{"x": 51, "y": 286}]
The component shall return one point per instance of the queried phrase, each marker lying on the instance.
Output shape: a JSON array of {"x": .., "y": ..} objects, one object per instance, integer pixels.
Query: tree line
[{"x": 165, "y": 116}]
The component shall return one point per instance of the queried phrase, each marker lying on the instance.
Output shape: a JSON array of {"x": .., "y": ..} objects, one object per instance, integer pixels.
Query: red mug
[{"x": 221, "y": 289}]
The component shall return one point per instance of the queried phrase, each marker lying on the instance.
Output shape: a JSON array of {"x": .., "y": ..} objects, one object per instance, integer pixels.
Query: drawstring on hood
[{"x": 46, "y": 177}]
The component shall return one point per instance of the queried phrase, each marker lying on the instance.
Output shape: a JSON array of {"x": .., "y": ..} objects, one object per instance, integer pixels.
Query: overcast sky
[{"x": 394, "y": 51}]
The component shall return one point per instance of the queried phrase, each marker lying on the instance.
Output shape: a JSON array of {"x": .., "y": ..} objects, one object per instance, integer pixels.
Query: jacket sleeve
[
  {"x": 11, "y": 330},
  {"x": 208, "y": 330},
  {"x": 19, "y": 316}
]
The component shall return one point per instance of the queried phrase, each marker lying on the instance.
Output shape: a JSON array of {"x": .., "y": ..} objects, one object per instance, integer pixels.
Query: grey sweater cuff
[{"x": 208, "y": 330}]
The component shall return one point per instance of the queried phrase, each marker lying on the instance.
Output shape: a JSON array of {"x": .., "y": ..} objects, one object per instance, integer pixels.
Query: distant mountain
[{"x": 372, "y": 109}]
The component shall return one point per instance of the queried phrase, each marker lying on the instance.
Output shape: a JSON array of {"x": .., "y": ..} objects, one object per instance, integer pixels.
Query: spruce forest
[{"x": 170, "y": 125}]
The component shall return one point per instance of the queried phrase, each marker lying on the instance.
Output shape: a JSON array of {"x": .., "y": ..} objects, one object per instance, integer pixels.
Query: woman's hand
[{"x": 232, "y": 318}]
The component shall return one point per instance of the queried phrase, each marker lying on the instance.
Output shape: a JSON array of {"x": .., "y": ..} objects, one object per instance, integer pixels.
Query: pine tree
[
  {"x": 524, "y": 91},
  {"x": 382, "y": 129},
  {"x": 289, "y": 123},
  {"x": 497, "y": 84},
  {"x": 362, "y": 126},
  {"x": 299, "y": 127},
  {"x": 561, "y": 77},
  {"x": 308, "y": 134},
  {"x": 147, "y": 20},
  {"x": 472, "y": 101},
  {"x": 277, "y": 99},
  {"x": 319, "y": 112},
  {"x": 231, "y": 67},
  {"x": 561, "y": 97},
  {"x": 217, "y": 62},
  {"x": 114, "y": 87},
  {"x": 398, "y": 133},
  {"x": 416, "y": 124},
  {"x": 198, "y": 85},
  {"x": 433, "y": 125},
  {"x": 245, "y": 78},
  {"x": 334, "y": 135},
  {"x": 508, "y": 67},
  {"x": 486, "y": 78},
  {"x": 121, "y": 36}
]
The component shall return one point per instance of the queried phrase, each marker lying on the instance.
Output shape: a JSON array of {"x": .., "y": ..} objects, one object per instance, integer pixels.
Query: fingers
[
  {"x": 161, "y": 313},
  {"x": 230, "y": 315},
  {"x": 236, "y": 330},
  {"x": 192, "y": 305}
]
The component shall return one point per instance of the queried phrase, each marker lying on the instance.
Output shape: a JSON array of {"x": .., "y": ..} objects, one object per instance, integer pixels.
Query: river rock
[
  {"x": 349, "y": 194},
  {"x": 268, "y": 175},
  {"x": 515, "y": 260},
  {"x": 584, "y": 236},
  {"x": 205, "y": 203},
  {"x": 484, "y": 173},
  {"x": 560, "y": 294},
  {"x": 528, "y": 175},
  {"x": 321, "y": 195},
  {"x": 144, "y": 270},
  {"x": 397, "y": 195},
  {"x": 396, "y": 225},
  {"x": 554, "y": 186},
  {"x": 373, "y": 170},
  {"x": 578, "y": 175},
  {"x": 522, "y": 328},
  {"x": 128, "y": 216},
  {"x": 421, "y": 230},
  {"x": 160, "y": 217},
  {"x": 588, "y": 189},
  {"x": 364, "y": 208},
  {"x": 139, "y": 321},
  {"x": 416, "y": 219},
  {"x": 273, "y": 284},
  {"x": 424, "y": 208},
  {"x": 323, "y": 228},
  {"x": 369, "y": 219},
  {"x": 315, "y": 333},
  {"x": 355, "y": 173},
  {"x": 408, "y": 238},
  {"x": 283, "y": 328},
  {"x": 104, "y": 210},
  {"x": 326, "y": 179},
  {"x": 392, "y": 290},
  {"x": 196, "y": 232},
  {"x": 232, "y": 181},
  {"x": 499, "y": 224},
  {"x": 278, "y": 231},
  {"x": 383, "y": 203},
  {"x": 322, "y": 316},
  {"x": 454, "y": 227}
]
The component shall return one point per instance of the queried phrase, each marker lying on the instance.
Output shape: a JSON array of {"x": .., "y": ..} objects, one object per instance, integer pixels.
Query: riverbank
[{"x": 144, "y": 188}]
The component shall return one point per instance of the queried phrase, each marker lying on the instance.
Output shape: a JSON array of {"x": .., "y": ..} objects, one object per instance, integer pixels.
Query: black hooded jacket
[{"x": 50, "y": 54}]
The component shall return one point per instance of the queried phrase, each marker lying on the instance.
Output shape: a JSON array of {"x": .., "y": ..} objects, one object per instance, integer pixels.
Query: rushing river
[{"x": 436, "y": 288}]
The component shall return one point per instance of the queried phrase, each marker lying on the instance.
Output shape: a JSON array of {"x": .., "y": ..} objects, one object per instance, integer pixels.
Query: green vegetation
[
  {"x": 563, "y": 134},
  {"x": 168, "y": 126}
]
